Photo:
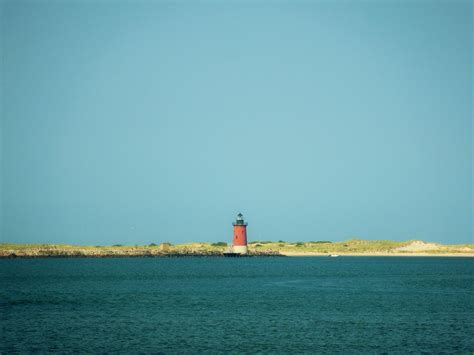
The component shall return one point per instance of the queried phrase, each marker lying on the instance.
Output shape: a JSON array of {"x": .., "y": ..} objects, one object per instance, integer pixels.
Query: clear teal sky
[{"x": 151, "y": 121}]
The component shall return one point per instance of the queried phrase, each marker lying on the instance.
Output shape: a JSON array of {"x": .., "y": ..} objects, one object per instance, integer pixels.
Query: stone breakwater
[{"x": 116, "y": 253}]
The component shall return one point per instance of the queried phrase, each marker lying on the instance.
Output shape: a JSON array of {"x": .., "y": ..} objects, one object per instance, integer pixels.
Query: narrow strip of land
[
  {"x": 379, "y": 254},
  {"x": 354, "y": 247}
]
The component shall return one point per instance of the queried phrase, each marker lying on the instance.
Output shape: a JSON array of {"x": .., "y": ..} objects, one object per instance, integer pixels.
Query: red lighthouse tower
[{"x": 240, "y": 235}]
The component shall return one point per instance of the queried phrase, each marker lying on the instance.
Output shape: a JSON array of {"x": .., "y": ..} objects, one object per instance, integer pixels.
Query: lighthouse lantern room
[{"x": 240, "y": 235}]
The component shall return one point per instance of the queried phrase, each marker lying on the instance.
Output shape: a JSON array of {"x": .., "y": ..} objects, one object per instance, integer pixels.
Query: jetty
[{"x": 164, "y": 250}]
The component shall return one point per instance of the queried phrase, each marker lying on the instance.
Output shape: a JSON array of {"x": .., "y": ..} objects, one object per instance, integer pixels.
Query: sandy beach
[{"x": 291, "y": 253}]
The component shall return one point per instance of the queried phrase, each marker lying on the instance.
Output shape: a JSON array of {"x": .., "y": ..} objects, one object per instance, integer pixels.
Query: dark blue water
[{"x": 243, "y": 305}]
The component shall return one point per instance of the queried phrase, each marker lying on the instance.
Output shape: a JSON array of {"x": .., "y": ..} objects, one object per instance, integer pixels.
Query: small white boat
[{"x": 333, "y": 255}]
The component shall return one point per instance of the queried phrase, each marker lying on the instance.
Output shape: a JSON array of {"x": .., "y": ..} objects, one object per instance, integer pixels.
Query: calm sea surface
[{"x": 286, "y": 305}]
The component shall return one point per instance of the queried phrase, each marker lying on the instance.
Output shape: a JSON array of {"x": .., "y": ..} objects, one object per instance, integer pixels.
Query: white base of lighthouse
[{"x": 241, "y": 249}]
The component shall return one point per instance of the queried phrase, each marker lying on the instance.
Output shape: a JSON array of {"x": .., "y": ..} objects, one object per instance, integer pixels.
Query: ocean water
[{"x": 301, "y": 304}]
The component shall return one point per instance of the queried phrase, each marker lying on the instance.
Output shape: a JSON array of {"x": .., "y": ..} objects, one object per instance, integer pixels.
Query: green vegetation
[{"x": 219, "y": 244}]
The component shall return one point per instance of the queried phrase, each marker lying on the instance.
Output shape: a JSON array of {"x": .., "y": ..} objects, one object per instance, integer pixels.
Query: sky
[{"x": 153, "y": 121}]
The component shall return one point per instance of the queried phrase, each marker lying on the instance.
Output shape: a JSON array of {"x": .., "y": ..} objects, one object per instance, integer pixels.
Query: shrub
[{"x": 219, "y": 244}]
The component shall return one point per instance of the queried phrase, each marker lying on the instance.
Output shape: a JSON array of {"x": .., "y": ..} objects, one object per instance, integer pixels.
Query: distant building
[{"x": 164, "y": 246}]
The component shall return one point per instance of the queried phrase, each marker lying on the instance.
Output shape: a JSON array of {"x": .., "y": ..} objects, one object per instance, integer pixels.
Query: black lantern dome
[{"x": 239, "y": 221}]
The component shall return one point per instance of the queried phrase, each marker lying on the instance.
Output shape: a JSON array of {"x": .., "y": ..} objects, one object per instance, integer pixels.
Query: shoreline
[
  {"x": 354, "y": 247},
  {"x": 300, "y": 254},
  {"x": 220, "y": 255},
  {"x": 62, "y": 254}
]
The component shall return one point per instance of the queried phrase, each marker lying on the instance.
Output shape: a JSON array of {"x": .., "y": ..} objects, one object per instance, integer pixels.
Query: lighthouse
[{"x": 240, "y": 235}]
